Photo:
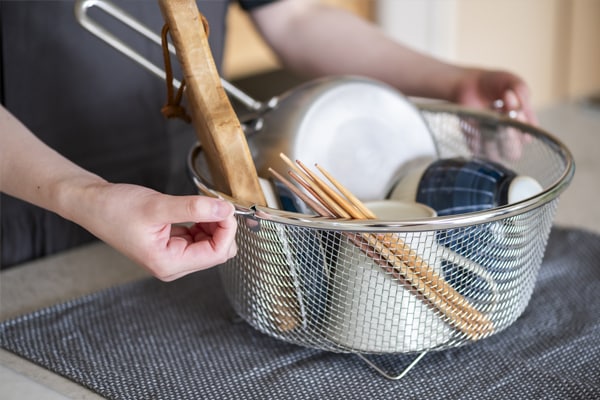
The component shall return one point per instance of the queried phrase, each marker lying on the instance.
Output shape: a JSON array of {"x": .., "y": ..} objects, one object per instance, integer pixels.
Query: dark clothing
[
  {"x": 93, "y": 105},
  {"x": 252, "y": 4}
]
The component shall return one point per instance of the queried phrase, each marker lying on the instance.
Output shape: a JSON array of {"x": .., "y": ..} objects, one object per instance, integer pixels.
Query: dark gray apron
[{"x": 93, "y": 105}]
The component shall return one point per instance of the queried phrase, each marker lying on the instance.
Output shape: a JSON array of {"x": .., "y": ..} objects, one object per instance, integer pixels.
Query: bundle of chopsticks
[{"x": 387, "y": 249}]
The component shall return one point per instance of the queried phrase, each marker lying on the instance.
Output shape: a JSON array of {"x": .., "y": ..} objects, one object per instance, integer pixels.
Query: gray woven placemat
[{"x": 181, "y": 340}]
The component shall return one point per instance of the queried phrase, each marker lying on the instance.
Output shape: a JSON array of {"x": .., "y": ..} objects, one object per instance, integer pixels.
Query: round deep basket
[{"x": 302, "y": 278}]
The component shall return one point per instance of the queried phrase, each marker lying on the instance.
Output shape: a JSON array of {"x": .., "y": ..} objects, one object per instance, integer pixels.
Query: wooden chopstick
[
  {"x": 315, "y": 190},
  {"x": 387, "y": 249},
  {"x": 317, "y": 207},
  {"x": 384, "y": 257},
  {"x": 353, "y": 199},
  {"x": 402, "y": 249},
  {"x": 465, "y": 318}
]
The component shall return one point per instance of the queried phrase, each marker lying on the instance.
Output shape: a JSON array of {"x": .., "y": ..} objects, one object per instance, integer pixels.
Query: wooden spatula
[{"x": 214, "y": 120}]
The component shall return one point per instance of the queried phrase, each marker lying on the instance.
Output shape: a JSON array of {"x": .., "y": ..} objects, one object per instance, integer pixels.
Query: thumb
[{"x": 181, "y": 209}]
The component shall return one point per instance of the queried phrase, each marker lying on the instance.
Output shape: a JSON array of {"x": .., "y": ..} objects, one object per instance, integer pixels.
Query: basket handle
[{"x": 81, "y": 14}]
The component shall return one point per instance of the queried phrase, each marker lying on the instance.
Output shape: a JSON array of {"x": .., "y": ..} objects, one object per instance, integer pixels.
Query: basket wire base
[{"x": 388, "y": 375}]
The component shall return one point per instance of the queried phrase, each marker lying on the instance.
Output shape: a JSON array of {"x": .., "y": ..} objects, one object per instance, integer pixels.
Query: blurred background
[{"x": 552, "y": 44}]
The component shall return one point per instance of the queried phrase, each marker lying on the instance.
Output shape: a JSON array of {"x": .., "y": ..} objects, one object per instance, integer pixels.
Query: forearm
[
  {"x": 33, "y": 172},
  {"x": 317, "y": 40},
  {"x": 140, "y": 222}
]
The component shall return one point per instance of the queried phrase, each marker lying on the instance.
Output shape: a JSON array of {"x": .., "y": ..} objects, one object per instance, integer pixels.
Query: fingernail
[
  {"x": 498, "y": 104},
  {"x": 512, "y": 101}
]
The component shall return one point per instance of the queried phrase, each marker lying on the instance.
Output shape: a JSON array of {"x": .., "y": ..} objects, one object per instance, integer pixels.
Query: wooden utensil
[{"x": 214, "y": 120}]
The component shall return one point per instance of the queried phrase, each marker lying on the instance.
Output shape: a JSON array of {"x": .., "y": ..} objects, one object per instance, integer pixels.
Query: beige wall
[
  {"x": 245, "y": 52},
  {"x": 553, "y": 44},
  {"x": 520, "y": 35},
  {"x": 584, "y": 51}
]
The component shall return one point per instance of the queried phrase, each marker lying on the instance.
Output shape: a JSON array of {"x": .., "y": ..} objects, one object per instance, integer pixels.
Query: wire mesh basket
[{"x": 299, "y": 278}]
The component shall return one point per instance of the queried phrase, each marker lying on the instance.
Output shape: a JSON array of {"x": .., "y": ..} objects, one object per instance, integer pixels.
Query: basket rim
[{"x": 409, "y": 225}]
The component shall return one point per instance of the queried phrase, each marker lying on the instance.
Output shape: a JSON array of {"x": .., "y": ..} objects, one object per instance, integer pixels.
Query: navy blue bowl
[{"x": 458, "y": 185}]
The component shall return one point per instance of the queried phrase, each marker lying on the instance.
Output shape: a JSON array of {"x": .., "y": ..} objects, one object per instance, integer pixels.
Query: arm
[
  {"x": 139, "y": 222},
  {"x": 317, "y": 40}
]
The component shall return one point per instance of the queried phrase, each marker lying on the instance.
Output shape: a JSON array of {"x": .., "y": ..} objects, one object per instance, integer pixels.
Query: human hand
[
  {"x": 503, "y": 92},
  {"x": 171, "y": 236},
  {"x": 499, "y": 90}
]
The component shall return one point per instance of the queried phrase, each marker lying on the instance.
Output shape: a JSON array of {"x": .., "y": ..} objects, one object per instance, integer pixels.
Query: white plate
[{"x": 363, "y": 132}]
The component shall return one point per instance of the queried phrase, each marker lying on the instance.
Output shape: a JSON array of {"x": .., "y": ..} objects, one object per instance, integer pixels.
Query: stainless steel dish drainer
[{"x": 297, "y": 277}]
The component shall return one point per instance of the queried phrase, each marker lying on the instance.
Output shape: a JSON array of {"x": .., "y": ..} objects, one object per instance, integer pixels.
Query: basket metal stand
[{"x": 386, "y": 374}]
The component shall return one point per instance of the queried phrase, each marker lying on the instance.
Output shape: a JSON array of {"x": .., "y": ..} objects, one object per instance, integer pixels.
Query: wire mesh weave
[{"x": 302, "y": 280}]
